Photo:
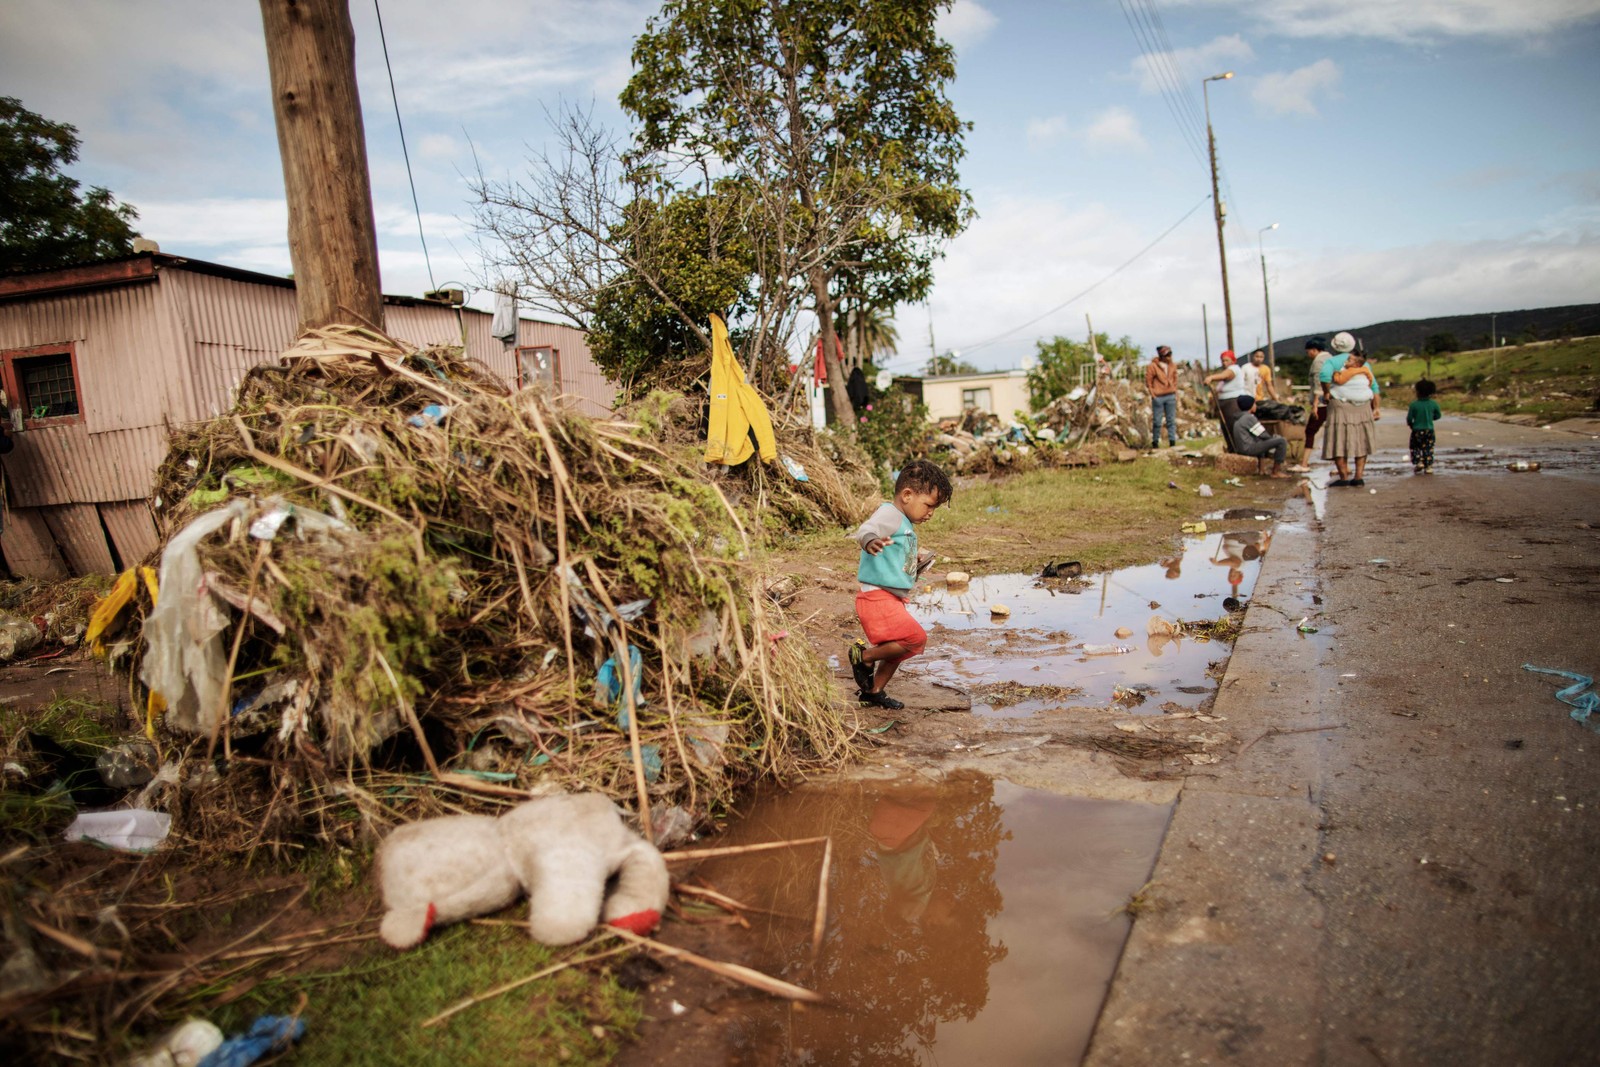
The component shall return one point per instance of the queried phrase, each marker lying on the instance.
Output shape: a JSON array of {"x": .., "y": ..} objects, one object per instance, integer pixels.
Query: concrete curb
[{"x": 1222, "y": 966}]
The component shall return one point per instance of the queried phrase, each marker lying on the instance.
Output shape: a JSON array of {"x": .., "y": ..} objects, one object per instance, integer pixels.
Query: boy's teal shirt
[{"x": 895, "y": 568}]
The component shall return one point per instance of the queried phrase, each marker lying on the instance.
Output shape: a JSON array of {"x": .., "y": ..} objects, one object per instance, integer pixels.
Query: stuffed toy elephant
[{"x": 560, "y": 850}]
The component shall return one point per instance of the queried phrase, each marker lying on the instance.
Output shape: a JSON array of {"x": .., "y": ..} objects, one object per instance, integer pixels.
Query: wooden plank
[
  {"x": 132, "y": 529},
  {"x": 76, "y": 528},
  {"x": 29, "y": 547}
]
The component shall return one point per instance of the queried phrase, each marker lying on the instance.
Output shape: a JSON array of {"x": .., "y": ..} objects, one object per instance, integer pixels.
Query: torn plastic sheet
[
  {"x": 608, "y": 684},
  {"x": 1584, "y": 705},
  {"x": 127, "y": 830},
  {"x": 184, "y": 656}
]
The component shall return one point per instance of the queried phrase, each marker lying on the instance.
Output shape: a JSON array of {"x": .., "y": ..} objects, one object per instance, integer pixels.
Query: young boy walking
[{"x": 890, "y": 564}]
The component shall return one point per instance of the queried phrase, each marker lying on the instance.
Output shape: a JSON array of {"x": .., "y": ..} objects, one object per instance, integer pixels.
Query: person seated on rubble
[{"x": 1250, "y": 437}]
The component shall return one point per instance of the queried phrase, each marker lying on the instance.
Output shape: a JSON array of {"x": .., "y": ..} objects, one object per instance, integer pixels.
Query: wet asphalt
[{"x": 1397, "y": 866}]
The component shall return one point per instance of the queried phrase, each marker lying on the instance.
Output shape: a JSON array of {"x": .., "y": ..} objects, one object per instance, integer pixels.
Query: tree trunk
[
  {"x": 333, "y": 242},
  {"x": 838, "y": 396}
]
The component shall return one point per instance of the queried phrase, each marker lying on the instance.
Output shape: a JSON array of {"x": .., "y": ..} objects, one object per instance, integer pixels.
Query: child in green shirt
[{"x": 1419, "y": 416}]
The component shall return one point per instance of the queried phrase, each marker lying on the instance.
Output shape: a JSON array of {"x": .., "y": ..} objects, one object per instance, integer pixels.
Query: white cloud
[
  {"x": 1116, "y": 128},
  {"x": 1293, "y": 92},
  {"x": 965, "y": 23},
  {"x": 1025, "y": 255},
  {"x": 1413, "y": 20},
  {"x": 438, "y": 146},
  {"x": 1041, "y": 132},
  {"x": 1191, "y": 64},
  {"x": 215, "y": 222}
]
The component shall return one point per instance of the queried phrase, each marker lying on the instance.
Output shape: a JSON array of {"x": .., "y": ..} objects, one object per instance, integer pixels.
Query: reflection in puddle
[
  {"x": 1063, "y": 634},
  {"x": 972, "y": 921}
]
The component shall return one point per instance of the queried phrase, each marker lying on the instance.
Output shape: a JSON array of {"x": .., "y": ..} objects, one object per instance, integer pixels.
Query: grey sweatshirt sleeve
[{"x": 883, "y": 523}]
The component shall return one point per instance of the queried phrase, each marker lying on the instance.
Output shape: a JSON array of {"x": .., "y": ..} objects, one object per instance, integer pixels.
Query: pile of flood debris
[
  {"x": 1088, "y": 426},
  {"x": 1119, "y": 409},
  {"x": 382, "y": 569}
]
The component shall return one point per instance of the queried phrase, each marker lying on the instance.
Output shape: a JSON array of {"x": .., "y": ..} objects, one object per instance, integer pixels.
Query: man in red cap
[{"x": 1229, "y": 387}]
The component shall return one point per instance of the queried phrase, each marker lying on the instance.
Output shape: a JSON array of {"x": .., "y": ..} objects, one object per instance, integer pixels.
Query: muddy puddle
[
  {"x": 969, "y": 921},
  {"x": 1058, "y": 646}
]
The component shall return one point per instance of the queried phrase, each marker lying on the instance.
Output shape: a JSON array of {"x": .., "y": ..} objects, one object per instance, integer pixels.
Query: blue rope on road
[{"x": 1584, "y": 705}]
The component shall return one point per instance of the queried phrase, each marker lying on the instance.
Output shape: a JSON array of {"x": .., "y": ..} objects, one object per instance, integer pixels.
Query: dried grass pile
[{"x": 411, "y": 566}]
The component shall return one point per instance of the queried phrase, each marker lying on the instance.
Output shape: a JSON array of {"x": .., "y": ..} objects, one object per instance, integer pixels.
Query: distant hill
[{"x": 1469, "y": 331}]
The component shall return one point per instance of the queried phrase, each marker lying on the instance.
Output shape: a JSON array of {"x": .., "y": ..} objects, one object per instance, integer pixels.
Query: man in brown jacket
[{"x": 1161, "y": 382}]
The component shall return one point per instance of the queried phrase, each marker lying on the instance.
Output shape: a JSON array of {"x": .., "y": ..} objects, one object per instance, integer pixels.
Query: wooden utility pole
[{"x": 333, "y": 240}]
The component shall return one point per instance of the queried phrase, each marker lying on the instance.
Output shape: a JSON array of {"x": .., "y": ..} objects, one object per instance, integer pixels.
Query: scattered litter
[
  {"x": 186, "y": 1045},
  {"x": 1505, "y": 581},
  {"x": 1021, "y": 744},
  {"x": 1194, "y": 527},
  {"x": 431, "y": 415},
  {"x": 1237, "y": 483},
  {"x": 1204, "y": 490},
  {"x": 1352, "y": 675},
  {"x": 678, "y": 1009},
  {"x": 1172, "y": 485},
  {"x": 1523, "y": 465},
  {"x": 1380, "y": 562},
  {"x": 269, "y": 1033},
  {"x": 1159, "y": 627},
  {"x": 127, "y": 830},
  {"x": 1584, "y": 704},
  {"x": 1106, "y": 650},
  {"x": 1067, "y": 569},
  {"x": 796, "y": 470},
  {"x": 1305, "y": 626},
  {"x": 885, "y": 728}
]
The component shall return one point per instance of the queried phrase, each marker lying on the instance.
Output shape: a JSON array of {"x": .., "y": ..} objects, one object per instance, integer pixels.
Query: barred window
[{"x": 46, "y": 386}]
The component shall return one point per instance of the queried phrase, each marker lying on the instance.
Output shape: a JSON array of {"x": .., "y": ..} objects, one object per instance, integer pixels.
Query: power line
[
  {"x": 403, "y": 152},
  {"x": 964, "y": 349},
  {"x": 1161, "y": 72}
]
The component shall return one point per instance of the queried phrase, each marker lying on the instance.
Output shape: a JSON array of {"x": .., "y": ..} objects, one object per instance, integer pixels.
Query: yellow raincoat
[{"x": 736, "y": 408}]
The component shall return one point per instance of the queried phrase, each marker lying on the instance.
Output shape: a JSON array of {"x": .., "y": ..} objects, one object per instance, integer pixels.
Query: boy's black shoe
[
  {"x": 1338, "y": 481},
  {"x": 881, "y": 699},
  {"x": 862, "y": 670},
  {"x": 1358, "y": 481}
]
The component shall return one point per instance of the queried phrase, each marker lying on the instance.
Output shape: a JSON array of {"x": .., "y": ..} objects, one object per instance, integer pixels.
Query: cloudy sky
[{"x": 1427, "y": 158}]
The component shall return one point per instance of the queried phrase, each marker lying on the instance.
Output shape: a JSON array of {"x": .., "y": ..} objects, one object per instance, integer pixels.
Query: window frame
[
  {"x": 555, "y": 365},
  {"x": 988, "y": 392},
  {"x": 12, "y": 379}
]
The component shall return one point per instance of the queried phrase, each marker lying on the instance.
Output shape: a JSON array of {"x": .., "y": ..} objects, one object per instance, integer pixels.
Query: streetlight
[
  {"x": 1216, "y": 202},
  {"x": 1266, "y": 297}
]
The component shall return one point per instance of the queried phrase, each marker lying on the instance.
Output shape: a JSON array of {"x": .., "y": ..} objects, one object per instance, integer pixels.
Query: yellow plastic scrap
[
  {"x": 155, "y": 705},
  {"x": 108, "y": 612},
  {"x": 150, "y": 583},
  {"x": 736, "y": 408}
]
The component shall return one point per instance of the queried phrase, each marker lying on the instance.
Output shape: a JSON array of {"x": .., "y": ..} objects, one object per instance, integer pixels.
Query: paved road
[{"x": 1398, "y": 865}]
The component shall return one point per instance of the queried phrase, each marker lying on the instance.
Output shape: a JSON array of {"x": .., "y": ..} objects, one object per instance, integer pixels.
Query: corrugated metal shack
[{"x": 101, "y": 359}]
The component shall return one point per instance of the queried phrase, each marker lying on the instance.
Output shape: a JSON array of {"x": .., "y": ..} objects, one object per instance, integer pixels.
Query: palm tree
[{"x": 866, "y": 333}]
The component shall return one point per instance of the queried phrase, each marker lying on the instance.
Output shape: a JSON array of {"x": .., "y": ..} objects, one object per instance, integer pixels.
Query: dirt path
[{"x": 1409, "y": 878}]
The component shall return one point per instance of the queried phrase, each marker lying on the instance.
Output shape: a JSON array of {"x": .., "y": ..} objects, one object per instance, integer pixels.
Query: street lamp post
[
  {"x": 1266, "y": 297},
  {"x": 1216, "y": 202}
]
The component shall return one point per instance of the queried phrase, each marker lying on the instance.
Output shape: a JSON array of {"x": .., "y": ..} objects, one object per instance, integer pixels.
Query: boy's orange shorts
[{"x": 884, "y": 618}]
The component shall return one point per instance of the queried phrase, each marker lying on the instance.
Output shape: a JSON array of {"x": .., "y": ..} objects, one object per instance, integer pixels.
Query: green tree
[
  {"x": 694, "y": 263},
  {"x": 832, "y": 115},
  {"x": 1441, "y": 342},
  {"x": 948, "y": 364},
  {"x": 44, "y": 220},
  {"x": 1056, "y": 371}
]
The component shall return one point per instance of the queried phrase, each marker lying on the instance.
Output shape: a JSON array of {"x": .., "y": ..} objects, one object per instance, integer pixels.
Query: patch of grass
[
  {"x": 1551, "y": 381},
  {"x": 1114, "y": 515},
  {"x": 370, "y": 1012}
]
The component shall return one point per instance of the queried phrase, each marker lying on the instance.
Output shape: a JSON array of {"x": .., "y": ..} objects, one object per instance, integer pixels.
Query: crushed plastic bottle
[{"x": 1106, "y": 650}]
